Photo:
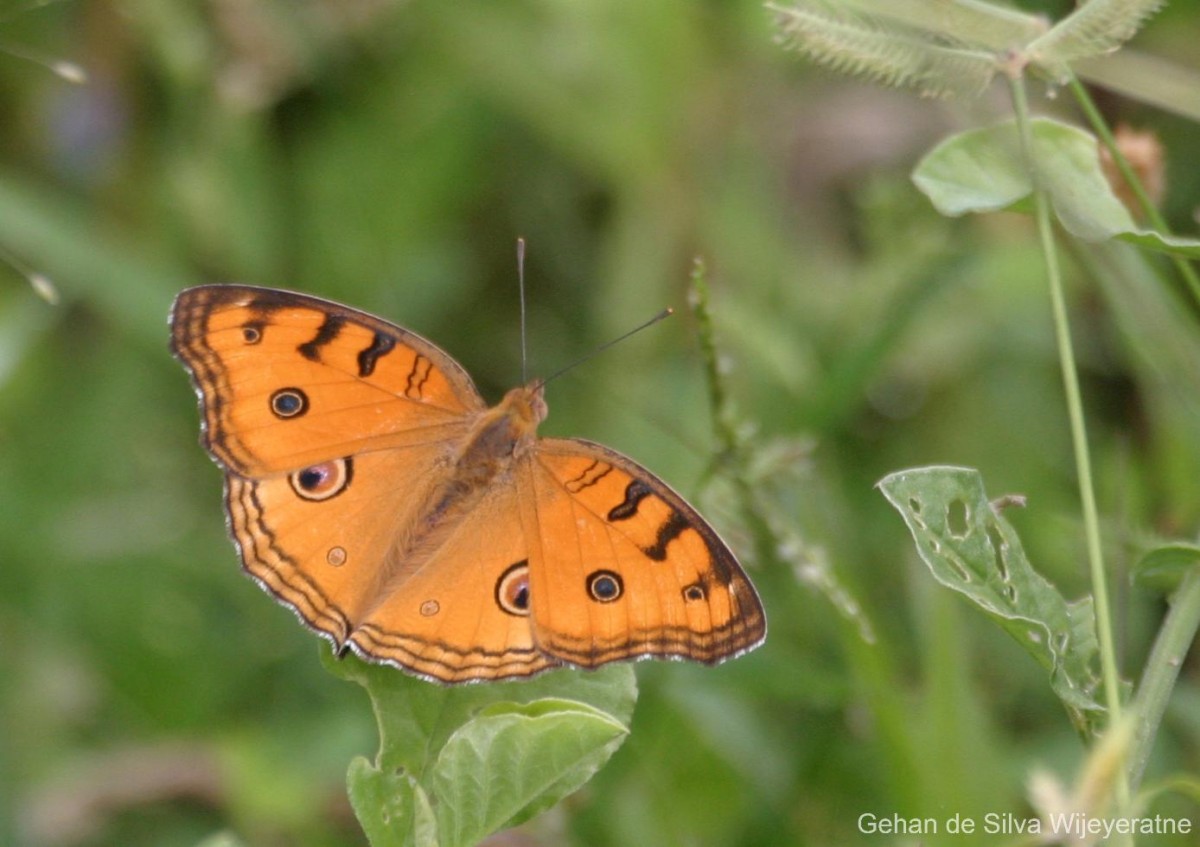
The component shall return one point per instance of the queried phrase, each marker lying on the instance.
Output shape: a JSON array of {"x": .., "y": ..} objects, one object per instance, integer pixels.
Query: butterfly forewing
[{"x": 288, "y": 381}]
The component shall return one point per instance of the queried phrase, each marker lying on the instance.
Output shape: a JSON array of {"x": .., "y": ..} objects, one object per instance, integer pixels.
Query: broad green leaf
[
  {"x": 1164, "y": 567},
  {"x": 970, "y": 548},
  {"x": 515, "y": 760},
  {"x": 579, "y": 720},
  {"x": 391, "y": 806},
  {"x": 417, "y": 717},
  {"x": 983, "y": 170}
]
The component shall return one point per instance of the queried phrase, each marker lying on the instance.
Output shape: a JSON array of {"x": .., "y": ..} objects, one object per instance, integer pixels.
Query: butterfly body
[
  {"x": 369, "y": 488},
  {"x": 500, "y": 435}
]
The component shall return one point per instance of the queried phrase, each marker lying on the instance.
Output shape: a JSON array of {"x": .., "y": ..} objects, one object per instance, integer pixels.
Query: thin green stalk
[
  {"x": 726, "y": 432},
  {"x": 1127, "y": 173},
  {"x": 1162, "y": 669},
  {"x": 1083, "y": 465},
  {"x": 732, "y": 453},
  {"x": 868, "y": 655}
]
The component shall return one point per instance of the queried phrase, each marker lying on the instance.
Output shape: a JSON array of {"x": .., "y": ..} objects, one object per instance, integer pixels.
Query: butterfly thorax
[
  {"x": 496, "y": 439},
  {"x": 498, "y": 436}
]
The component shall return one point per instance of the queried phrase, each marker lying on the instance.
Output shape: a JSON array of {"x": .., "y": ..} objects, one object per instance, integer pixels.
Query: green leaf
[
  {"x": 970, "y": 548},
  {"x": 1164, "y": 567},
  {"x": 515, "y": 760},
  {"x": 391, "y": 806},
  {"x": 482, "y": 755},
  {"x": 982, "y": 170}
]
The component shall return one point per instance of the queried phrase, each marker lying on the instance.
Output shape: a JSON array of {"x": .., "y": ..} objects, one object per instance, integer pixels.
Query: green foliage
[
  {"x": 954, "y": 47},
  {"x": 845, "y": 40},
  {"x": 387, "y": 154},
  {"x": 1093, "y": 29},
  {"x": 1165, "y": 567},
  {"x": 970, "y": 548},
  {"x": 458, "y": 763},
  {"x": 982, "y": 171}
]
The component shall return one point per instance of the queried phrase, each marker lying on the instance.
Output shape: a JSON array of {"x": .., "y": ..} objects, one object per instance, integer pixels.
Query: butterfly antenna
[
  {"x": 665, "y": 313},
  {"x": 521, "y": 287}
]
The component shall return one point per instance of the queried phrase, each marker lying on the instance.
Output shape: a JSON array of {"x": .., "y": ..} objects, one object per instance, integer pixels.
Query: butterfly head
[{"x": 526, "y": 405}]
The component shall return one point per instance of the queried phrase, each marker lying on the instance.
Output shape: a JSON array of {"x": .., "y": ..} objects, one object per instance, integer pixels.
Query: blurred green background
[{"x": 387, "y": 154}]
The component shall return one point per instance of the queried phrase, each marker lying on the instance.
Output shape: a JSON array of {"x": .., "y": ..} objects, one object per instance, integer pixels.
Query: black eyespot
[
  {"x": 289, "y": 403},
  {"x": 320, "y": 482},
  {"x": 605, "y": 586},
  {"x": 252, "y": 332},
  {"x": 695, "y": 591},
  {"x": 512, "y": 589}
]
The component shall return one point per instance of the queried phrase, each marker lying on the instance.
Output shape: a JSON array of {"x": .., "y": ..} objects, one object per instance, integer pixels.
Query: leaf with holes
[
  {"x": 391, "y": 806},
  {"x": 969, "y": 547}
]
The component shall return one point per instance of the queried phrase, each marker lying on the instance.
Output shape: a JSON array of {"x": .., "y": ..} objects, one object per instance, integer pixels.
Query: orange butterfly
[{"x": 370, "y": 488}]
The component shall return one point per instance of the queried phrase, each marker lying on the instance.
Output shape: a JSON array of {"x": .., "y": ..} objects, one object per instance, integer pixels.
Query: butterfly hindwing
[
  {"x": 452, "y": 611},
  {"x": 464, "y": 614},
  {"x": 315, "y": 538}
]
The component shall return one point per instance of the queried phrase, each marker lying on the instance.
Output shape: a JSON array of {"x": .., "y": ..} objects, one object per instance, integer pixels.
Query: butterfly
[{"x": 370, "y": 488}]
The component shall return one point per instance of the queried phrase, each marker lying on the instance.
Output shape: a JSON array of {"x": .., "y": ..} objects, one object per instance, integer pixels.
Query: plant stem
[
  {"x": 1151, "y": 211},
  {"x": 1162, "y": 669},
  {"x": 1083, "y": 464},
  {"x": 726, "y": 432},
  {"x": 731, "y": 455},
  {"x": 1070, "y": 377}
]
